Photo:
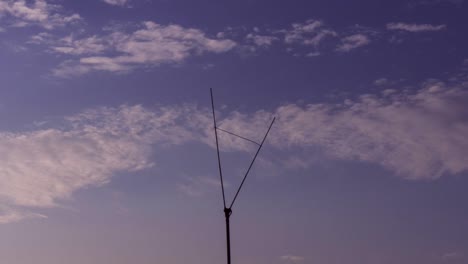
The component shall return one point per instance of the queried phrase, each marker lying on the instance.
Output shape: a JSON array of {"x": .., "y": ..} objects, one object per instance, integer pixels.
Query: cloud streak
[
  {"x": 39, "y": 13},
  {"x": 44, "y": 167},
  {"x": 198, "y": 186},
  {"x": 117, "y": 2},
  {"x": 417, "y": 135},
  {"x": 151, "y": 45},
  {"x": 8, "y": 215},
  {"x": 415, "y": 27},
  {"x": 261, "y": 40},
  {"x": 352, "y": 42},
  {"x": 311, "y": 32},
  {"x": 292, "y": 258}
]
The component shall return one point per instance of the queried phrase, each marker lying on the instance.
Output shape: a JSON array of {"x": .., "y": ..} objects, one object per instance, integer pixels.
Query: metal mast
[{"x": 228, "y": 210}]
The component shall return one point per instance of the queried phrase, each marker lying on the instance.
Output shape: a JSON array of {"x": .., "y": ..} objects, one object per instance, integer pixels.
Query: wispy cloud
[
  {"x": 261, "y": 40},
  {"x": 415, "y": 27},
  {"x": 198, "y": 186},
  {"x": 86, "y": 46},
  {"x": 8, "y": 215},
  {"x": 44, "y": 167},
  {"x": 352, "y": 42},
  {"x": 39, "y": 12},
  {"x": 418, "y": 135},
  {"x": 117, "y": 2},
  {"x": 292, "y": 258},
  {"x": 154, "y": 44},
  {"x": 381, "y": 82},
  {"x": 311, "y": 32},
  {"x": 435, "y": 2},
  {"x": 455, "y": 255},
  {"x": 313, "y": 54}
]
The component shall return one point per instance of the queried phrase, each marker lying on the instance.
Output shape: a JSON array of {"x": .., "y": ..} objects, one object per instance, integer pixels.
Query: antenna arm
[
  {"x": 251, "y": 163},
  {"x": 217, "y": 148}
]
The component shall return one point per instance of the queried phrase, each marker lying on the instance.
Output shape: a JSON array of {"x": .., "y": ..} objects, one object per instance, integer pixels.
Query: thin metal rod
[
  {"x": 251, "y": 163},
  {"x": 244, "y": 138},
  {"x": 227, "y": 214},
  {"x": 217, "y": 148}
]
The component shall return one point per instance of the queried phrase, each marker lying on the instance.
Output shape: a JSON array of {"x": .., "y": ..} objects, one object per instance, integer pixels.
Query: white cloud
[
  {"x": 117, "y": 2},
  {"x": 39, "y": 169},
  {"x": 86, "y": 46},
  {"x": 261, "y": 40},
  {"x": 292, "y": 258},
  {"x": 40, "y": 38},
  {"x": 296, "y": 34},
  {"x": 313, "y": 54},
  {"x": 452, "y": 256},
  {"x": 415, "y": 27},
  {"x": 436, "y": 2},
  {"x": 311, "y": 32},
  {"x": 37, "y": 13},
  {"x": 417, "y": 135},
  {"x": 381, "y": 82},
  {"x": 7, "y": 215},
  {"x": 154, "y": 44},
  {"x": 198, "y": 186},
  {"x": 352, "y": 42}
]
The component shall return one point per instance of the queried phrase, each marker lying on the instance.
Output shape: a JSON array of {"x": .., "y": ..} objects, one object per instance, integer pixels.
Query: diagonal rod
[
  {"x": 217, "y": 148},
  {"x": 251, "y": 163},
  {"x": 244, "y": 138}
]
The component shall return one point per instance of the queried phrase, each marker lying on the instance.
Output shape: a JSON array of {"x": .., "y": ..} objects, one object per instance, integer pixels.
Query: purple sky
[{"x": 107, "y": 150}]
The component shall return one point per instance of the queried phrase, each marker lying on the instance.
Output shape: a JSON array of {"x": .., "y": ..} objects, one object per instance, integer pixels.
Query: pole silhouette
[{"x": 228, "y": 210}]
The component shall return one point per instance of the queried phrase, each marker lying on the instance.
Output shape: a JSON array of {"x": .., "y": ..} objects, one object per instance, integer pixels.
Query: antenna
[{"x": 228, "y": 210}]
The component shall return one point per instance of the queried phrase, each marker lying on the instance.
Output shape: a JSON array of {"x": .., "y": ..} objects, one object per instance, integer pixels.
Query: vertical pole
[
  {"x": 227, "y": 214},
  {"x": 217, "y": 148}
]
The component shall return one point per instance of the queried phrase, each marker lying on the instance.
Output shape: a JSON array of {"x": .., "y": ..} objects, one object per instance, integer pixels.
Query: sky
[{"x": 107, "y": 148}]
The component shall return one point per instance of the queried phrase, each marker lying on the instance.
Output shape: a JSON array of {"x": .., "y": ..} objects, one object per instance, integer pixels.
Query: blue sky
[{"x": 107, "y": 150}]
